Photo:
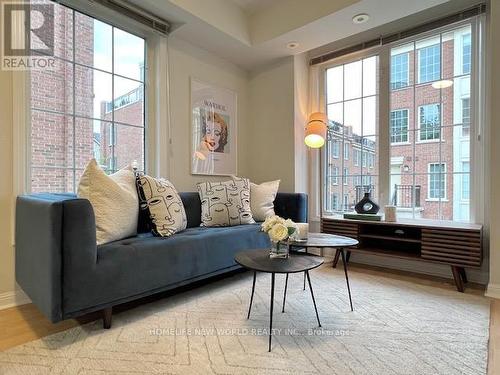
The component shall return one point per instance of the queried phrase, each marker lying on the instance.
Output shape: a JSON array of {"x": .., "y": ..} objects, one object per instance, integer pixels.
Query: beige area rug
[{"x": 397, "y": 328}]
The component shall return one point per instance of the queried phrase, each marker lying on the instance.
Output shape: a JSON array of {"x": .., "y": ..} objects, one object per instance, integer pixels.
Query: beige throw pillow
[
  {"x": 163, "y": 204},
  {"x": 262, "y": 199},
  {"x": 114, "y": 200},
  {"x": 225, "y": 203}
]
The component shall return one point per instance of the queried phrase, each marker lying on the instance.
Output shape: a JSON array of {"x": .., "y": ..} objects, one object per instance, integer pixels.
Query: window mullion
[{"x": 74, "y": 101}]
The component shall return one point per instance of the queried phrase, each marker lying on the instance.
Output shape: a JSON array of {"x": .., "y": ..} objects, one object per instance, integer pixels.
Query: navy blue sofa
[{"x": 66, "y": 275}]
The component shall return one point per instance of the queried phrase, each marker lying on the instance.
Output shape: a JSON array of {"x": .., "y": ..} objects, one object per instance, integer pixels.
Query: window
[
  {"x": 430, "y": 149},
  {"x": 89, "y": 105},
  {"x": 437, "y": 181},
  {"x": 335, "y": 148},
  {"x": 356, "y": 156},
  {"x": 399, "y": 126},
  {"x": 429, "y": 117},
  {"x": 335, "y": 202},
  {"x": 429, "y": 63},
  {"x": 335, "y": 178},
  {"x": 466, "y": 53},
  {"x": 465, "y": 193},
  {"x": 465, "y": 117},
  {"x": 351, "y": 102},
  {"x": 399, "y": 71}
]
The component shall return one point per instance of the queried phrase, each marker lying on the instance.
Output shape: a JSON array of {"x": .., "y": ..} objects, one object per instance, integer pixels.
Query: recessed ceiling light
[
  {"x": 360, "y": 18},
  {"x": 292, "y": 45},
  {"x": 442, "y": 84}
]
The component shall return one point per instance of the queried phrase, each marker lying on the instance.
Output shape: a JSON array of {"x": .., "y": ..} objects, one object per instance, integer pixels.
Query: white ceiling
[
  {"x": 254, "y": 6},
  {"x": 252, "y": 33}
]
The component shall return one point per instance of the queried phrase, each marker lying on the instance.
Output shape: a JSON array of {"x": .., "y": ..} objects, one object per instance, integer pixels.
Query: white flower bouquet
[{"x": 279, "y": 230}]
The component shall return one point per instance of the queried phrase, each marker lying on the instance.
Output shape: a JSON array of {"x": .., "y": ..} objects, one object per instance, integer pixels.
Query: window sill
[
  {"x": 430, "y": 141},
  {"x": 400, "y": 143},
  {"x": 436, "y": 200}
]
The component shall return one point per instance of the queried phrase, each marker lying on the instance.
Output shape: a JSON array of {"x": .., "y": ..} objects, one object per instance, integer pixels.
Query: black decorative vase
[{"x": 366, "y": 205}]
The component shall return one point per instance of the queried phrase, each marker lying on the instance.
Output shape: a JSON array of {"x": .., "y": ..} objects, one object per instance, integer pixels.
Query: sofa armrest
[
  {"x": 292, "y": 206},
  {"x": 53, "y": 232}
]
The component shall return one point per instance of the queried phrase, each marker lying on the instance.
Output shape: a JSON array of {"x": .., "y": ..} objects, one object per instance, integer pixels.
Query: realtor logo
[{"x": 27, "y": 35}]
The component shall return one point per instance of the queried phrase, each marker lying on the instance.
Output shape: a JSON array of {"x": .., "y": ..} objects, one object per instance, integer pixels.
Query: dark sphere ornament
[{"x": 366, "y": 205}]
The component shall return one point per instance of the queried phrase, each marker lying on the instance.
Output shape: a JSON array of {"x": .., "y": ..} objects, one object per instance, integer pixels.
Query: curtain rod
[{"x": 386, "y": 39}]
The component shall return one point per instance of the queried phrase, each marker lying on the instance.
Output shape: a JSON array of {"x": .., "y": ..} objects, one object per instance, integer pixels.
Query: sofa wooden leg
[{"x": 107, "y": 317}]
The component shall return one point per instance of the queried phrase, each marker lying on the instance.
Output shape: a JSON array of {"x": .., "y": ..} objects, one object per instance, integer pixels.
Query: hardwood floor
[
  {"x": 494, "y": 350},
  {"x": 25, "y": 323}
]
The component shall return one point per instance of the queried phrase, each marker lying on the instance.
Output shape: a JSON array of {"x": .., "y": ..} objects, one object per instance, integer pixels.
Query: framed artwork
[{"x": 213, "y": 129}]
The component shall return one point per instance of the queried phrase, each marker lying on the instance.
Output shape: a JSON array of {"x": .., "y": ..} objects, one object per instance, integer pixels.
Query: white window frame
[
  {"x": 429, "y": 174},
  {"x": 345, "y": 175},
  {"x": 479, "y": 125},
  {"x": 157, "y": 106}
]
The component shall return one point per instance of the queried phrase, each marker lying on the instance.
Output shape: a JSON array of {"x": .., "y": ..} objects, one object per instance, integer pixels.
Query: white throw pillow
[
  {"x": 114, "y": 200},
  {"x": 225, "y": 203},
  {"x": 262, "y": 199},
  {"x": 163, "y": 204}
]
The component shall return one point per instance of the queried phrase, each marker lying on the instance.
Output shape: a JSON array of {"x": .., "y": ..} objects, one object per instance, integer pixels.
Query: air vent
[{"x": 136, "y": 13}]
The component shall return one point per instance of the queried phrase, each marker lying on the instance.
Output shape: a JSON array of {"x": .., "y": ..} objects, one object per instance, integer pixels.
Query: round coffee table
[
  {"x": 259, "y": 261},
  {"x": 325, "y": 240}
]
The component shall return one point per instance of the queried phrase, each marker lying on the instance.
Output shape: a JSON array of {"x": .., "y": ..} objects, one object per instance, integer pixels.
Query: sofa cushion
[
  {"x": 114, "y": 200},
  {"x": 225, "y": 203},
  {"x": 144, "y": 263},
  {"x": 262, "y": 199},
  {"x": 160, "y": 199}
]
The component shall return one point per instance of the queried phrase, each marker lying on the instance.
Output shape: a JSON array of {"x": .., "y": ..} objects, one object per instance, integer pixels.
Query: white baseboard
[
  {"x": 13, "y": 298},
  {"x": 493, "y": 291}
]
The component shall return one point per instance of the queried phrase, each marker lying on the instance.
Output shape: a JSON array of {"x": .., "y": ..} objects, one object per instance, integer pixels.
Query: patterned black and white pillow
[
  {"x": 159, "y": 198},
  {"x": 225, "y": 203}
]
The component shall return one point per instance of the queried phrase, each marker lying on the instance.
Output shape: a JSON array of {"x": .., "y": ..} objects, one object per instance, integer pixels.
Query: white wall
[
  {"x": 272, "y": 137},
  {"x": 188, "y": 61},
  {"x": 494, "y": 162},
  {"x": 6, "y": 198}
]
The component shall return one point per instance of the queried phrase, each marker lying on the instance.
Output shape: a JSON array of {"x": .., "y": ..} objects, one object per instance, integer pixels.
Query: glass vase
[{"x": 279, "y": 250}]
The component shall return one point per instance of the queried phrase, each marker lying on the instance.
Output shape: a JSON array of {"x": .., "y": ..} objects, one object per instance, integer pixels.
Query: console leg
[
  {"x": 458, "y": 278},
  {"x": 463, "y": 275},
  {"x": 107, "y": 315}
]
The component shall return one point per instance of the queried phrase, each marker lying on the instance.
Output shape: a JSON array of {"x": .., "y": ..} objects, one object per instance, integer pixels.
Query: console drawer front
[
  {"x": 452, "y": 246},
  {"x": 340, "y": 228}
]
